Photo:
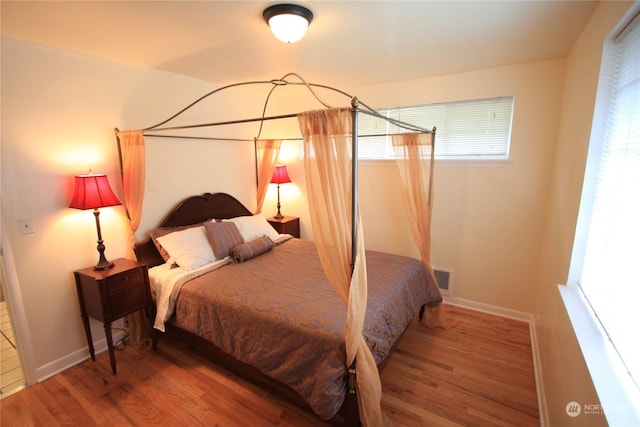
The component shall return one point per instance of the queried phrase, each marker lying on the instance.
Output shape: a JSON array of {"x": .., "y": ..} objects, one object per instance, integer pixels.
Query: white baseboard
[
  {"x": 72, "y": 359},
  {"x": 517, "y": 315},
  {"x": 489, "y": 308},
  {"x": 537, "y": 368}
]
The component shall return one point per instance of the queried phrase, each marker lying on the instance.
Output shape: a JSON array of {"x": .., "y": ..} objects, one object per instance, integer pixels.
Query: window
[
  {"x": 608, "y": 235},
  {"x": 477, "y": 130}
]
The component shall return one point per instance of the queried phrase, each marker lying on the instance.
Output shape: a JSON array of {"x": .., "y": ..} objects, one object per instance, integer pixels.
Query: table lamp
[
  {"x": 93, "y": 192},
  {"x": 280, "y": 176}
]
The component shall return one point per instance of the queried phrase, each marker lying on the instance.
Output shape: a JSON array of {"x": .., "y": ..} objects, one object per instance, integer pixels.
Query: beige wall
[
  {"x": 488, "y": 218},
  {"x": 59, "y": 110},
  {"x": 565, "y": 375}
]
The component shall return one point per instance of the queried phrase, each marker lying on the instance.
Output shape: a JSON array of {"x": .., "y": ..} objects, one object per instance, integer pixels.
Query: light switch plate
[{"x": 26, "y": 225}]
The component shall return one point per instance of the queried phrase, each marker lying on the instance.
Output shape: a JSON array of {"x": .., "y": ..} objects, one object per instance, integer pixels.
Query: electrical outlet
[{"x": 26, "y": 226}]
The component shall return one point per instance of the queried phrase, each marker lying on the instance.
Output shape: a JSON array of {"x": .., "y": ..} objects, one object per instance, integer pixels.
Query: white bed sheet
[{"x": 165, "y": 278}]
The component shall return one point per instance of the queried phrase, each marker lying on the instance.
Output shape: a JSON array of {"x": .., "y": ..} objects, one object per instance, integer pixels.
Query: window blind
[
  {"x": 477, "y": 129},
  {"x": 609, "y": 275}
]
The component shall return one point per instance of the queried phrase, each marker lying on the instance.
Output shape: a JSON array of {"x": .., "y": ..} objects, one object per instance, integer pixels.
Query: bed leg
[
  {"x": 154, "y": 339},
  {"x": 421, "y": 314},
  {"x": 352, "y": 416}
]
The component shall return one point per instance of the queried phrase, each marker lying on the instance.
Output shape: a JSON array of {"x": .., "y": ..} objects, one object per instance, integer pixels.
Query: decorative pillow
[
  {"x": 189, "y": 248},
  {"x": 222, "y": 236},
  {"x": 159, "y": 232},
  {"x": 252, "y": 227},
  {"x": 251, "y": 249}
]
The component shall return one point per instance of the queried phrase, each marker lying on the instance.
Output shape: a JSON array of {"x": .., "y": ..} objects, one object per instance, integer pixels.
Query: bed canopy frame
[
  {"x": 164, "y": 130},
  {"x": 357, "y": 106}
]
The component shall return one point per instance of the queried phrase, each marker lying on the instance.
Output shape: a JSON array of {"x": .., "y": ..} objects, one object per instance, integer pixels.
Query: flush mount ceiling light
[{"x": 288, "y": 22}]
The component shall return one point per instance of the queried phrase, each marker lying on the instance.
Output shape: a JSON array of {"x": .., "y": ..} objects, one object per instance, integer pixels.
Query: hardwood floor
[{"x": 479, "y": 372}]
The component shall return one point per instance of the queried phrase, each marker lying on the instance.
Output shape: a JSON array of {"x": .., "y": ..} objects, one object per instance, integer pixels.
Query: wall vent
[{"x": 443, "y": 276}]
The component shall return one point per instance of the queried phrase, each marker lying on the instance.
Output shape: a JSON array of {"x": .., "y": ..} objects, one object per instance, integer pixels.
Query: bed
[{"x": 270, "y": 315}]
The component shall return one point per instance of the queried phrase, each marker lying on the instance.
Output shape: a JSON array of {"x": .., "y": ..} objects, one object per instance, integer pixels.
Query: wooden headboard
[{"x": 192, "y": 210}]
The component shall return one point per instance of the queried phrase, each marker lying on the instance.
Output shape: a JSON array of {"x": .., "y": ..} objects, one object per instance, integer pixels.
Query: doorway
[{"x": 12, "y": 377}]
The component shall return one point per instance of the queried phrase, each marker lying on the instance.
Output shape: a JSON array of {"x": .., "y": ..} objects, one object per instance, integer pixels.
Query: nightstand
[
  {"x": 108, "y": 295},
  {"x": 287, "y": 224}
]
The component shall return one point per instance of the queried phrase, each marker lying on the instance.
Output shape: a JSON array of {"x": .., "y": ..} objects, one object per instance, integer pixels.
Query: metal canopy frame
[{"x": 357, "y": 106}]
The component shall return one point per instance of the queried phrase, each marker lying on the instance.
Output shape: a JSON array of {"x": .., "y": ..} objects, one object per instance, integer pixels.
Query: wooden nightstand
[
  {"x": 287, "y": 224},
  {"x": 108, "y": 295}
]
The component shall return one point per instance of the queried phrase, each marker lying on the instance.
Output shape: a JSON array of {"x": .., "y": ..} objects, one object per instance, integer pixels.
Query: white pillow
[
  {"x": 252, "y": 227},
  {"x": 189, "y": 248}
]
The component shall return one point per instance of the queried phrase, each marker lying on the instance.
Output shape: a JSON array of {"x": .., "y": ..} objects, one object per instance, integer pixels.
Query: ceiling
[{"x": 349, "y": 43}]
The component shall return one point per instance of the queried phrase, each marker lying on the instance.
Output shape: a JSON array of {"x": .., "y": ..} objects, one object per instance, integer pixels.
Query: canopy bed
[{"x": 291, "y": 314}]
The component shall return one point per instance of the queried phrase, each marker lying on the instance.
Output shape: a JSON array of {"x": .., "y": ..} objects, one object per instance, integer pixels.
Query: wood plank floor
[{"x": 479, "y": 372}]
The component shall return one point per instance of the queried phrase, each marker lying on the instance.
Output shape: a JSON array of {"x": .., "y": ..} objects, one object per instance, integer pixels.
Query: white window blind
[
  {"x": 478, "y": 129},
  {"x": 609, "y": 276}
]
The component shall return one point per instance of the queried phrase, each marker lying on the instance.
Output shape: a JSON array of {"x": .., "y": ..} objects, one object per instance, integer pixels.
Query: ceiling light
[{"x": 288, "y": 22}]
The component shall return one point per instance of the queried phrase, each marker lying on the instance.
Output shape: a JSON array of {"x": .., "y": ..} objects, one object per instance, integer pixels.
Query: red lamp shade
[
  {"x": 93, "y": 192},
  {"x": 280, "y": 175}
]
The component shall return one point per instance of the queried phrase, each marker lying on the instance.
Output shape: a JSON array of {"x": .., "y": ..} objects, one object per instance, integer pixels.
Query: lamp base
[
  {"x": 278, "y": 215},
  {"x": 103, "y": 265}
]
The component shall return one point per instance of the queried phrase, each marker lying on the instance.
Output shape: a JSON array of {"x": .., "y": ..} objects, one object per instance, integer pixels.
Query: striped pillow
[
  {"x": 222, "y": 236},
  {"x": 252, "y": 249}
]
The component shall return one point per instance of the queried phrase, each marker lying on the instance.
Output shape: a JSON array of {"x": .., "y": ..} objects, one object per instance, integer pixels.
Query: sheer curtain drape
[
  {"x": 327, "y": 159},
  {"x": 415, "y": 158},
  {"x": 132, "y": 153},
  {"x": 267, "y": 151}
]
